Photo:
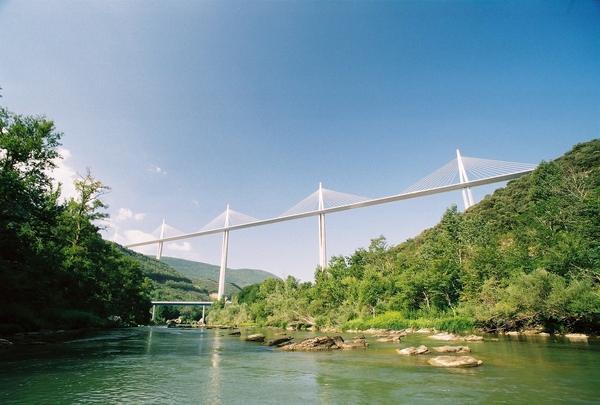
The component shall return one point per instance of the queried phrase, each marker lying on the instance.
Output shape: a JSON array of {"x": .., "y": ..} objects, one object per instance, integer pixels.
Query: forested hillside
[
  {"x": 238, "y": 277},
  {"x": 526, "y": 256},
  {"x": 56, "y": 271},
  {"x": 169, "y": 283}
]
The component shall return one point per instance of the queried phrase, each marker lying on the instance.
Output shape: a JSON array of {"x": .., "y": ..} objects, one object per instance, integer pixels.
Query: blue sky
[{"x": 182, "y": 107}]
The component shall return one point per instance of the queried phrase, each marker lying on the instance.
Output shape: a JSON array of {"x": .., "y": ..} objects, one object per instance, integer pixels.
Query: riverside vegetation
[
  {"x": 527, "y": 256},
  {"x": 56, "y": 271}
]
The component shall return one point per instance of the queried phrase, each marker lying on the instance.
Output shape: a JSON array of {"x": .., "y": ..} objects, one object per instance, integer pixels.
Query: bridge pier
[
  {"x": 322, "y": 237},
  {"x": 160, "y": 243},
  {"x": 462, "y": 173},
  {"x": 224, "y": 250},
  {"x": 153, "y": 313}
]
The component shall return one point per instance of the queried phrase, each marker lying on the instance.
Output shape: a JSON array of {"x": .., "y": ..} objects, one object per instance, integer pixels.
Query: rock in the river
[
  {"x": 279, "y": 341},
  {"x": 235, "y": 333},
  {"x": 455, "y": 361},
  {"x": 444, "y": 336},
  {"x": 512, "y": 333},
  {"x": 473, "y": 338},
  {"x": 388, "y": 339},
  {"x": 576, "y": 336},
  {"x": 452, "y": 349},
  {"x": 5, "y": 343},
  {"x": 356, "y": 343},
  {"x": 411, "y": 351},
  {"x": 316, "y": 344},
  {"x": 258, "y": 337},
  {"x": 424, "y": 331}
]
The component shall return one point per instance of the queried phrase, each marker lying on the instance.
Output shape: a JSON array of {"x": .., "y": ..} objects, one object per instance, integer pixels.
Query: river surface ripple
[{"x": 176, "y": 366}]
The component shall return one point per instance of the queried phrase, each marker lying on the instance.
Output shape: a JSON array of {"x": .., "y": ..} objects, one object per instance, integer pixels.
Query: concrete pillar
[
  {"x": 224, "y": 249},
  {"x": 462, "y": 173},
  {"x": 322, "y": 237},
  {"x": 160, "y": 243}
]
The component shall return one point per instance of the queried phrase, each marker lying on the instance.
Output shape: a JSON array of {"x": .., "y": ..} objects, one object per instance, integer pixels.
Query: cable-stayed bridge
[{"x": 461, "y": 173}]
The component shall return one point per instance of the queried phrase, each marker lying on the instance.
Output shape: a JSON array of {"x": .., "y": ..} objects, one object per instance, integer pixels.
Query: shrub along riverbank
[
  {"x": 526, "y": 256},
  {"x": 56, "y": 271}
]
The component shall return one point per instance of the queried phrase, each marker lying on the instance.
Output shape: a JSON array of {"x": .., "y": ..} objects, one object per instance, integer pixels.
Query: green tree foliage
[
  {"x": 528, "y": 255},
  {"x": 56, "y": 271}
]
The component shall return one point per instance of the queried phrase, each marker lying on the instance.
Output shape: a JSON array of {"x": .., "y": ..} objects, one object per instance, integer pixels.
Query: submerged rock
[
  {"x": 473, "y": 338},
  {"x": 279, "y": 341},
  {"x": 411, "y": 351},
  {"x": 512, "y": 333},
  {"x": 452, "y": 349},
  {"x": 444, "y": 336},
  {"x": 235, "y": 333},
  {"x": 424, "y": 331},
  {"x": 258, "y": 337},
  {"x": 455, "y": 361},
  {"x": 388, "y": 339}
]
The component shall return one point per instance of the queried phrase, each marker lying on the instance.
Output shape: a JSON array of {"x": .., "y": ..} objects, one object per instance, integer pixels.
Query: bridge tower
[
  {"x": 322, "y": 239},
  {"x": 462, "y": 173},
  {"x": 160, "y": 243},
  {"x": 224, "y": 248}
]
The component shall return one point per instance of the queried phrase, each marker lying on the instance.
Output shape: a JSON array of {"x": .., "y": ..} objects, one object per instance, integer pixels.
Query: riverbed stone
[
  {"x": 257, "y": 337},
  {"x": 455, "y": 361},
  {"x": 389, "y": 339},
  {"x": 452, "y": 349},
  {"x": 473, "y": 338},
  {"x": 412, "y": 351},
  {"x": 279, "y": 341},
  {"x": 576, "y": 336},
  {"x": 235, "y": 333},
  {"x": 315, "y": 344},
  {"x": 5, "y": 343},
  {"x": 424, "y": 331},
  {"x": 356, "y": 343},
  {"x": 444, "y": 336}
]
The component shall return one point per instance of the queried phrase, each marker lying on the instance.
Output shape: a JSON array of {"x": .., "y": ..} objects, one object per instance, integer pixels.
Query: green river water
[{"x": 177, "y": 366}]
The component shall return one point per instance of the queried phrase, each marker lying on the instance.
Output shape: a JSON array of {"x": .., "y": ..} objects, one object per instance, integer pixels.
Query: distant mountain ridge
[{"x": 198, "y": 270}]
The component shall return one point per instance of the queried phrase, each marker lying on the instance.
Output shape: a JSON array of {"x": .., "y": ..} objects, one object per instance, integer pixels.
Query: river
[{"x": 177, "y": 366}]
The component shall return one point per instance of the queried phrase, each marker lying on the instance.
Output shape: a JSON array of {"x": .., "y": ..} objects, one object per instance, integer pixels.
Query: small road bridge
[
  {"x": 462, "y": 173},
  {"x": 202, "y": 304}
]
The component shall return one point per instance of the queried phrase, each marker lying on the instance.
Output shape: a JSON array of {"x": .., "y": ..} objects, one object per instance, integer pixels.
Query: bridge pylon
[
  {"x": 466, "y": 192},
  {"x": 224, "y": 249},
  {"x": 322, "y": 236},
  {"x": 159, "y": 249}
]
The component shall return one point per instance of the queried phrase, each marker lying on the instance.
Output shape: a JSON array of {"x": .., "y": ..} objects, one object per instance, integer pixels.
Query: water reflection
[{"x": 214, "y": 386}]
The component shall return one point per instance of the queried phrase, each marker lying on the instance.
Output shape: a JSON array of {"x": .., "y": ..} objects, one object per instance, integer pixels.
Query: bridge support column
[
  {"x": 203, "y": 314},
  {"x": 322, "y": 237},
  {"x": 153, "y": 312},
  {"x": 160, "y": 244},
  {"x": 466, "y": 192},
  {"x": 224, "y": 249}
]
